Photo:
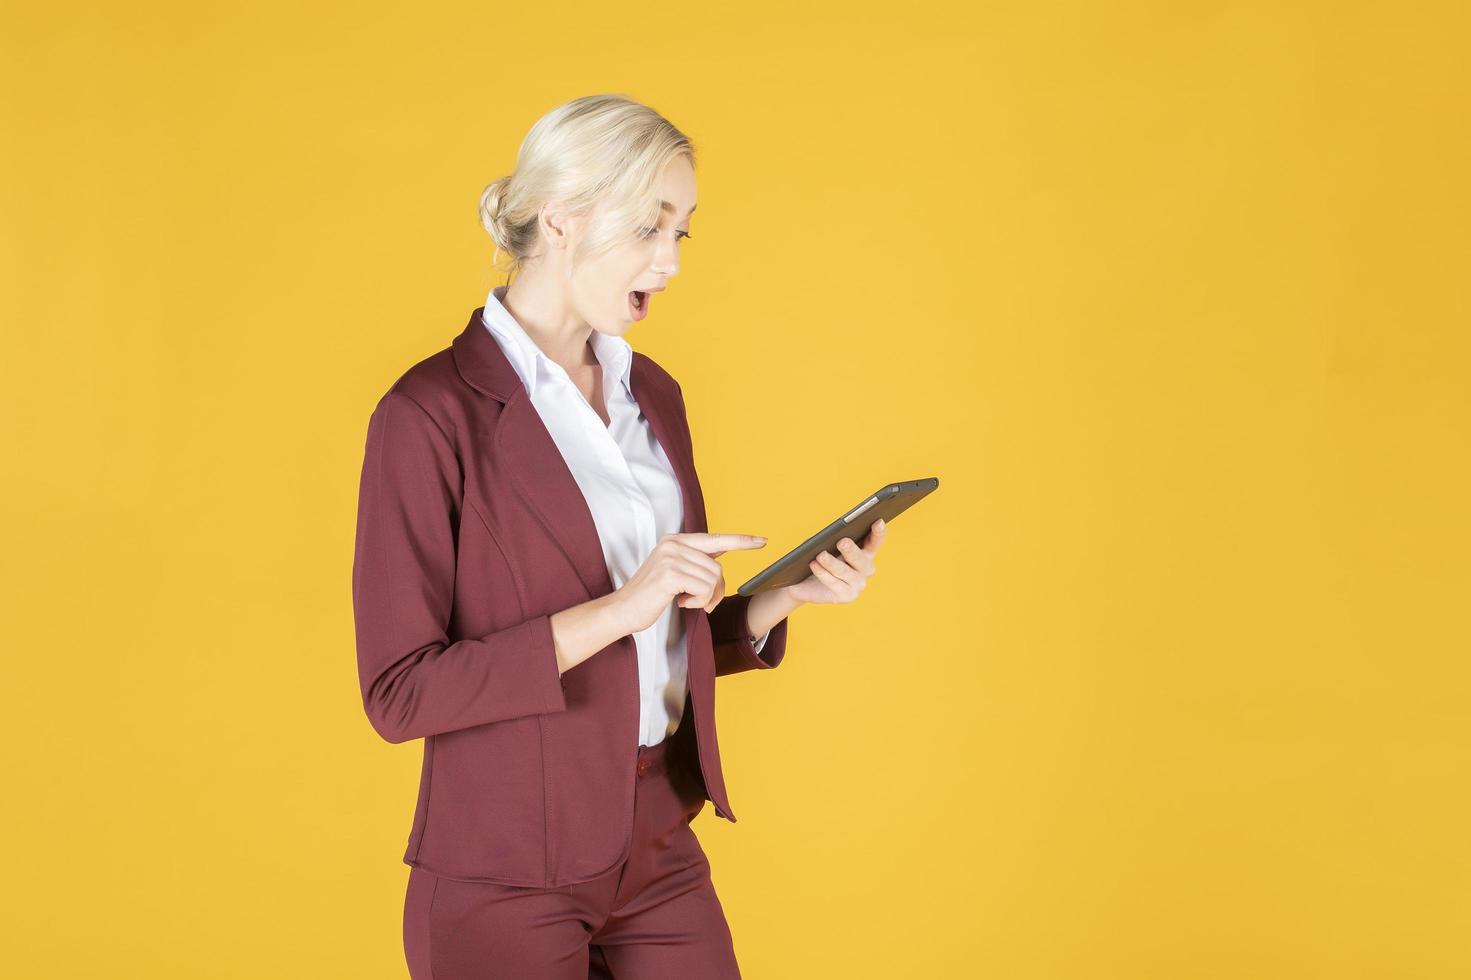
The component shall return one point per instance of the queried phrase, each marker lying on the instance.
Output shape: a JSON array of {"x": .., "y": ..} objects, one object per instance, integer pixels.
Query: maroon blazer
[{"x": 471, "y": 533}]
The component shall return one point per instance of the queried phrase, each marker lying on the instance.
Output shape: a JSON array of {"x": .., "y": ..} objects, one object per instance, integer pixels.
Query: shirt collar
[{"x": 614, "y": 353}]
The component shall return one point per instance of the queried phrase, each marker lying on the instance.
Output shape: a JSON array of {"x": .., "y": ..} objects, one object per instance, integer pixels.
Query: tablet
[{"x": 887, "y": 503}]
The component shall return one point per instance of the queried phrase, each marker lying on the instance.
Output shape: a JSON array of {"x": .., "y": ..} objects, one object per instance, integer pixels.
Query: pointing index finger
[{"x": 715, "y": 544}]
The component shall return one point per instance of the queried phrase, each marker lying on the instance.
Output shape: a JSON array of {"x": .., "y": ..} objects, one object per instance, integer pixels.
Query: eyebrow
[{"x": 666, "y": 206}]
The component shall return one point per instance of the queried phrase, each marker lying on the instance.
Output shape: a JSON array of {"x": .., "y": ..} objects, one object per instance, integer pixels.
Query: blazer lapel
[
  {"x": 660, "y": 406},
  {"x": 538, "y": 471},
  {"x": 526, "y": 450}
]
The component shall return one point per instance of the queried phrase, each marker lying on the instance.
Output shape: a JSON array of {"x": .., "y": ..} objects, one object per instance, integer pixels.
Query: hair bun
[{"x": 490, "y": 210}]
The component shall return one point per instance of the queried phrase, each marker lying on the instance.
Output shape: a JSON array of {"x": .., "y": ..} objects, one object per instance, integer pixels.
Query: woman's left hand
[{"x": 841, "y": 579}]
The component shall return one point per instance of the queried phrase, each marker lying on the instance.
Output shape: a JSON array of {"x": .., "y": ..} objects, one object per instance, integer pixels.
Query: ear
[{"x": 555, "y": 225}]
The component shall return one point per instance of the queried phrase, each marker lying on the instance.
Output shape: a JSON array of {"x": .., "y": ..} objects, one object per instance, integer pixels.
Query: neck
[{"x": 542, "y": 311}]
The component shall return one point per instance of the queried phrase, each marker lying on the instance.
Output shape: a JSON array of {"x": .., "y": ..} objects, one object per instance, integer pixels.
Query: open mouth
[{"x": 638, "y": 304}]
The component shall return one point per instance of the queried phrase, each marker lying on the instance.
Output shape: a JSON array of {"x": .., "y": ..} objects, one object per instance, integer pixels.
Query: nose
[{"x": 666, "y": 259}]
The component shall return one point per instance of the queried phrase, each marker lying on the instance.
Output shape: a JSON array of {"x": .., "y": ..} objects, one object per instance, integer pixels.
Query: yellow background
[{"x": 1167, "y": 680}]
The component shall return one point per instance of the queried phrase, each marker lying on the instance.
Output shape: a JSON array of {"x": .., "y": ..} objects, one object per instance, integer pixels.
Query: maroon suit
[{"x": 471, "y": 533}]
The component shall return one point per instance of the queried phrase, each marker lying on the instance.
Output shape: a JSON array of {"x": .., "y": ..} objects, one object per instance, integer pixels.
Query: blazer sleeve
[
  {"x": 415, "y": 680},
  {"x": 735, "y": 650}
]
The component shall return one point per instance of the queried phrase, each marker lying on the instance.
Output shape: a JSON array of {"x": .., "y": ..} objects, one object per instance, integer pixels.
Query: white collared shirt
[{"x": 630, "y": 488}]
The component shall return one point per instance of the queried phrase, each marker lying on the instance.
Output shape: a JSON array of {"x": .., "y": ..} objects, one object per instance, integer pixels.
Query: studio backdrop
[{"x": 1168, "y": 679}]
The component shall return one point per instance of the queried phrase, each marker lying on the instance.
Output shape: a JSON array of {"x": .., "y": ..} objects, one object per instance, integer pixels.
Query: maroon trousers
[{"x": 653, "y": 917}]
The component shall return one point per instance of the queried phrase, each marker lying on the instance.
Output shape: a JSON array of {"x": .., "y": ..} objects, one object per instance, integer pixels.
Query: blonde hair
[{"x": 601, "y": 155}]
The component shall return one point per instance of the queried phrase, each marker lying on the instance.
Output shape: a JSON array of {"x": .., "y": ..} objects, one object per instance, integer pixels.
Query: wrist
[
  {"x": 766, "y": 609},
  {"x": 785, "y": 600},
  {"x": 614, "y": 608}
]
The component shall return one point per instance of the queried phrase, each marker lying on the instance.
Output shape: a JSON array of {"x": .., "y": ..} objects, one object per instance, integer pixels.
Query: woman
[{"x": 536, "y": 594}]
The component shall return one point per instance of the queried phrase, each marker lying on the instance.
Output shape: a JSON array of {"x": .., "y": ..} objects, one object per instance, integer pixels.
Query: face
[{"x": 615, "y": 290}]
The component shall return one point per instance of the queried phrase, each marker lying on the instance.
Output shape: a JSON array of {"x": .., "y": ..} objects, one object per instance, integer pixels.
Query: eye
[{"x": 650, "y": 232}]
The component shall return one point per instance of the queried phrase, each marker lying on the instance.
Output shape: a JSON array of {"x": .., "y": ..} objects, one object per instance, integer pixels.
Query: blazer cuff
[{"x": 735, "y": 648}]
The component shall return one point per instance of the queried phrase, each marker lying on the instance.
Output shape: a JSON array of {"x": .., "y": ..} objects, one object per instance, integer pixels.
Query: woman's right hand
[{"x": 681, "y": 567}]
